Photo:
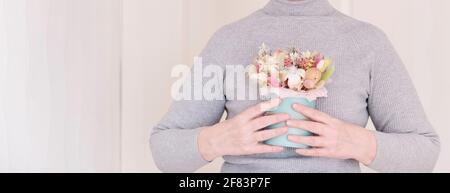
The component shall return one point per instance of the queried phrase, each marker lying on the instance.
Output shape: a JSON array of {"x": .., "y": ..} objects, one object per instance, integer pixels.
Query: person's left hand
[{"x": 335, "y": 138}]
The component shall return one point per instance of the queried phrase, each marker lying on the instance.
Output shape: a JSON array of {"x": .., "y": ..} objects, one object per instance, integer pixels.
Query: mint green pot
[{"x": 286, "y": 107}]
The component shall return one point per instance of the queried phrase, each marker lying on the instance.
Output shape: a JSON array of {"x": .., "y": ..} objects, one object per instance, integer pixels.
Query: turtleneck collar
[{"x": 299, "y": 8}]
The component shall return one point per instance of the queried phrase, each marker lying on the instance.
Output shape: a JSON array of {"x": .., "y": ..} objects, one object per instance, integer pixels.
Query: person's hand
[
  {"x": 335, "y": 138},
  {"x": 241, "y": 135}
]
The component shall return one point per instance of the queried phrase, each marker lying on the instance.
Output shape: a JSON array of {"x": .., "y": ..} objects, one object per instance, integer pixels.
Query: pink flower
[
  {"x": 258, "y": 67},
  {"x": 309, "y": 84},
  {"x": 317, "y": 59},
  {"x": 273, "y": 81},
  {"x": 287, "y": 62}
]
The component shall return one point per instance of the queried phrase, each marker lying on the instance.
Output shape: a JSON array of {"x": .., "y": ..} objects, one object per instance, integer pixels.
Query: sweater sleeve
[
  {"x": 173, "y": 140},
  {"x": 406, "y": 141}
]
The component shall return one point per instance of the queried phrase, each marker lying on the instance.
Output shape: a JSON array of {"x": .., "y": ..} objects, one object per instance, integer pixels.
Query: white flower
[
  {"x": 294, "y": 81},
  {"x": 306, "y": 54},
  {"x": 284, "y": 75},
  {"x": 292, "y": 70},
  {"x": 262, "y": 79},
  {"x": 275, "y": 74},
  {"x": 302, "y": 73},
  {"x": 321, "y": 65},
  {"x": 264, "y": 68},
  {"x": 252, "y": 72},
  {"x": 263, "y": 50},
  {"x": 272, "y": 61},
  {"x": 294, "y": 56},
  {"x": 297, "y": 72},
  {"x": 295, "y": 77},
  {"x": 260, "y": 61}
]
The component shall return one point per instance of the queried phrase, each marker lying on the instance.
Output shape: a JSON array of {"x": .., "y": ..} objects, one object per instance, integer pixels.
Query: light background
[{"x": 83, "y": 81}]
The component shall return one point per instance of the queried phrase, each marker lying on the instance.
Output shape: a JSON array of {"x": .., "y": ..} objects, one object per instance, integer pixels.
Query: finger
[
  {"x": 269, "y": 134},
  {"x": 313, "y": 114},
  {"x": 259, "y": 109},
  {"x": 313, "y": 127},
  {"x": 266, "y": 121},
  {"x": 258, "y": 149},
  {"x": 310, "y": 141},
  {"x": 314, "y": 152}
]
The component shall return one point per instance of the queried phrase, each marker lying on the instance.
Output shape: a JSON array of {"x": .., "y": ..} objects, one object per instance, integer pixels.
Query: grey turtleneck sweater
[{"x": 370, "y": 81}]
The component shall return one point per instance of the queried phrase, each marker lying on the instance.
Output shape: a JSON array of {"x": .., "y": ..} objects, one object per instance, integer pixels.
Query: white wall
[
  {"x": 83, "y": 81},
  {"x": 417, "y": 28},
  {"x": 152, "y": 43}
]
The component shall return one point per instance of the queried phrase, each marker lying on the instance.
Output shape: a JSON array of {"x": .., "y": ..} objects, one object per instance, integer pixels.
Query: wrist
[
  {"x": 205, "y": 146},
  {"x": 367, "y": 147}
]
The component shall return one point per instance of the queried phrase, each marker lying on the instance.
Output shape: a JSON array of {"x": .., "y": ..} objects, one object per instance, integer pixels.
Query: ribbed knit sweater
[{"x": 370, "y": 81}]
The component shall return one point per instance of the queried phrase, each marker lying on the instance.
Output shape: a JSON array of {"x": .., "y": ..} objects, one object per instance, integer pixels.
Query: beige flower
[
  {"x": 306, "y": 54},
  {"x": 262, "y": 79},
  {"x": 283, "y": 75}
]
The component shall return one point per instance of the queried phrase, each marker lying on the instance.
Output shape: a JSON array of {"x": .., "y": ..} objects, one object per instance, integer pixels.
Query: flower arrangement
[{"x": 292, "y": 72}]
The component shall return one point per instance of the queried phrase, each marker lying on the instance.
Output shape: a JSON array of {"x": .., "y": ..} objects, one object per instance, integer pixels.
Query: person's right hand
[{"x": 242, "y": 134}]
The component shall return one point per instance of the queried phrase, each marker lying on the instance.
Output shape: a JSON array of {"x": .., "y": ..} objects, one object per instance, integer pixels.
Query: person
[{"x": 370, "y": 82}]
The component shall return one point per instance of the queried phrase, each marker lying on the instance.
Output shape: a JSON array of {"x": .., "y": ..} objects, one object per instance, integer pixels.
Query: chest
[{"x": 348, "y": 90}]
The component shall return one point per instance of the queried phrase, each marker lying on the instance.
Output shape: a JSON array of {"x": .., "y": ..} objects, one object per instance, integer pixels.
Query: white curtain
[{"x": 60, "y": 85}]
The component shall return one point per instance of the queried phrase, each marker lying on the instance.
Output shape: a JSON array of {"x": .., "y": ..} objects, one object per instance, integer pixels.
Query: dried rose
[{"x": 312, "y": 77}]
